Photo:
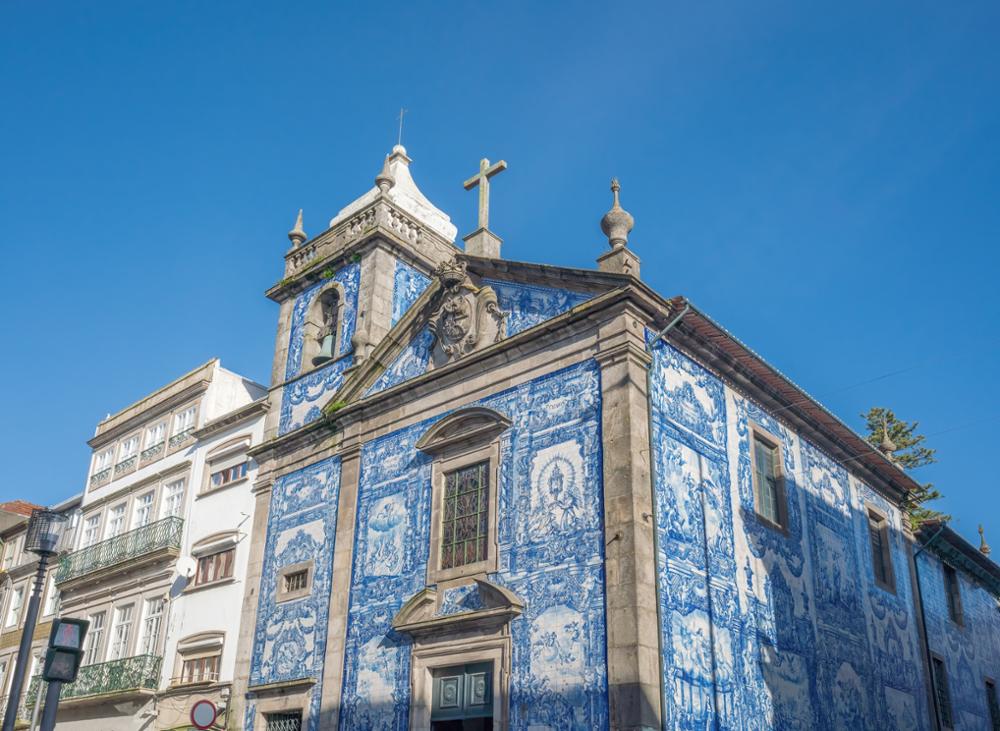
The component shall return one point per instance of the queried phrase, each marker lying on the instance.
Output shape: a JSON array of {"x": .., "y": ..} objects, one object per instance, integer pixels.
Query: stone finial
[
  {"x": 983, "y": 547},
  {"x": 617, "y": 223},
  {"x": 297, "y": 236},
  {"x": 887, "y": 446},
  {"x": 385, "y": 180}
]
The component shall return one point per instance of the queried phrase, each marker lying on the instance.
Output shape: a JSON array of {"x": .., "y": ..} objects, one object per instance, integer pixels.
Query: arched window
[{"x": 321, "y": 332}]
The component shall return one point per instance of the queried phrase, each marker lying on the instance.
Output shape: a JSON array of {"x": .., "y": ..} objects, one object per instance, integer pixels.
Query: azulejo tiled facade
[{"x": 621, "y": 572}]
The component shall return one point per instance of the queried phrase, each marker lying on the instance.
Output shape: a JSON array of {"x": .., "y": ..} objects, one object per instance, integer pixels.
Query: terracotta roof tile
[{"x": 21, "y": 507}]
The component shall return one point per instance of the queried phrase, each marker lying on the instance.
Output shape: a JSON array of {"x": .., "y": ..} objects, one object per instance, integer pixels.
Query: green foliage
[
  {"x": 910, "y": 452},
  {"x": 336, "y": 406},
  {"x": 328, "y": 273},
  {"x": 355, "y": 258}
]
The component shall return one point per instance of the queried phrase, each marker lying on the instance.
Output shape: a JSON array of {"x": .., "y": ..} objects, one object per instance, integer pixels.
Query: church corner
[{"x": 502, "y": 495}]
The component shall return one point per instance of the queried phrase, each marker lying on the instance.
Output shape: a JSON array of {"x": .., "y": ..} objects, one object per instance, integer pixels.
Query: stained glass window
[{"x": 466, "y": 510}]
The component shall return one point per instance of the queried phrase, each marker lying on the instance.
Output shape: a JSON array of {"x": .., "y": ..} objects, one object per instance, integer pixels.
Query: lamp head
[{"x": 45, "y": 528}]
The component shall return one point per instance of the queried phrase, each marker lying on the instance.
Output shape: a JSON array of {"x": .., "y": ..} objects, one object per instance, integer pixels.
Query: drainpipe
[
  {"x": 672, "y": 323},
  {"x": 923, "y": 625},
  {"x": 652, "y": 502}
]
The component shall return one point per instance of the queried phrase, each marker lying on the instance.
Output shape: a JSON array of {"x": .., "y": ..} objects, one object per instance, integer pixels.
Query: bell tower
[{"x": 344, "y": 289}]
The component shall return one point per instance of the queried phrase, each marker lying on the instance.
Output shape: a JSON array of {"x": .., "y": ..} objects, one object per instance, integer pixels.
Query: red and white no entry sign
[{"x": 203, "y": 714}]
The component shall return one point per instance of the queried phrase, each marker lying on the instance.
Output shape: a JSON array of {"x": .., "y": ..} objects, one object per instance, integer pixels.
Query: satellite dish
[{"x": 186, "y": 566}]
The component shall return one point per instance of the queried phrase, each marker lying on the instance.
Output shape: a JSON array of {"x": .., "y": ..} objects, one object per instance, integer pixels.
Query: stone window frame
[
  {"x": 113, "y": 449},
  {"x": 213, "y": 545},
  {"x": 222, "y": 457},
  {"x": 310, "y": 328},
  {"x": 871, "y": 511},
  {"x": 210, "y": 643},
  {"x": 956, "y": 608},
  {"x": 171, "y": 421},
  {"x": 281, "y": 595},
  {"x": 489, "y": 454},
  {"x": 119, "y": 460},
  {"x": 759, "y": 432},
  {"x": 282, "y": 701},
  {"x": 426, "y": 659},
  {"x": 945, "y": 682},
  {"x": 466, "y": 437}
]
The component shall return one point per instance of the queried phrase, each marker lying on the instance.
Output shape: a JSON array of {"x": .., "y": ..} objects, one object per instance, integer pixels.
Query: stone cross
[{"x": 482, "y": 179}]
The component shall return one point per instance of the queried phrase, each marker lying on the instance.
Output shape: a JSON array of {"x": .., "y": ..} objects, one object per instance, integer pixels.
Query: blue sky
[{"x": 822, "y": 180}]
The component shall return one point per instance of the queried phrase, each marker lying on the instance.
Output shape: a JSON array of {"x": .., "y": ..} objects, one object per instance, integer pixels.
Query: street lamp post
[{"x": 44, "y": 530}]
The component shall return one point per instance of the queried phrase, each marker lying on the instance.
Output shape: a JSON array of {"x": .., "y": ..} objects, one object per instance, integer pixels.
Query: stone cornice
[
  {"x": 280, "y": 686},
  {"x": 131, "y": 418},
  {"x": 237, "y": 416},
  {"x": 622, "y": 352}
]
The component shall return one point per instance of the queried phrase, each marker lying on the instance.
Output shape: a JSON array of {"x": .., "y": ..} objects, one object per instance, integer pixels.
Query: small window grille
[
  {"x": 289, "y": 721},
  {"x": 296, "y": 581}
]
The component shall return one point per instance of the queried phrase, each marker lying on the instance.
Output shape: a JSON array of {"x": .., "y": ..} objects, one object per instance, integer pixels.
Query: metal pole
[
  {"x": 37, "y": 710},
  {"x": 24, "y": 652},
  {"x": 51, "y": 705}
]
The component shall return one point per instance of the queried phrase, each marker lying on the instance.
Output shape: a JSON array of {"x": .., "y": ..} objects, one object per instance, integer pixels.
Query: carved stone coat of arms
[{"x": 468, "y": 318}]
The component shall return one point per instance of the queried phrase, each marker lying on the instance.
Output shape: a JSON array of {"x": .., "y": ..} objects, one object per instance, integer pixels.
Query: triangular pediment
[
  {"x": 476, "y": 603},
  {"x": 502, "y": 299}
]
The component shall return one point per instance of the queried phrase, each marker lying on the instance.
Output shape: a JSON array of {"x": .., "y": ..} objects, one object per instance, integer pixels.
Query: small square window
[{"x": 295, "y": 581}]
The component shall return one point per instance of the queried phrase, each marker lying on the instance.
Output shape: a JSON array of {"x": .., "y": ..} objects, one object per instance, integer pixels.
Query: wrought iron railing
[
  {"x": 141, "y": 672},
  {"x": 156, "y": 536}
]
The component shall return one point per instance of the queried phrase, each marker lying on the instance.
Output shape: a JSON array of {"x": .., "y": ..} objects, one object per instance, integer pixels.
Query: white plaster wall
[{"x": 215, "y": 608}]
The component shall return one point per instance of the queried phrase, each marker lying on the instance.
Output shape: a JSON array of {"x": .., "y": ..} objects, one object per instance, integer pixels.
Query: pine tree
[{"x": 909, "y": 452}]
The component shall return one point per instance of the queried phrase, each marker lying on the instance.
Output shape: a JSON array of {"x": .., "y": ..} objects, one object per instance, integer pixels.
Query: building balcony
[
  {"x": 143, "y": 545},
  {"x": 151, "y": 453},
  {"x": 99, "y": 478},
  {"x": 128, "y": 677},
  {"x": 180, "y": 438},
  {"x": 126, "y": 465}
]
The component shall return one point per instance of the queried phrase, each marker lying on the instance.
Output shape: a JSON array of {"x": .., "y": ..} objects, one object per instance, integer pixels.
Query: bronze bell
[{"x": 325, "y": 354}]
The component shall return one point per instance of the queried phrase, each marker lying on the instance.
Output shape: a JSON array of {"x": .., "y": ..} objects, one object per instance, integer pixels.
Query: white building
[{"x": 161, "y": 553}]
